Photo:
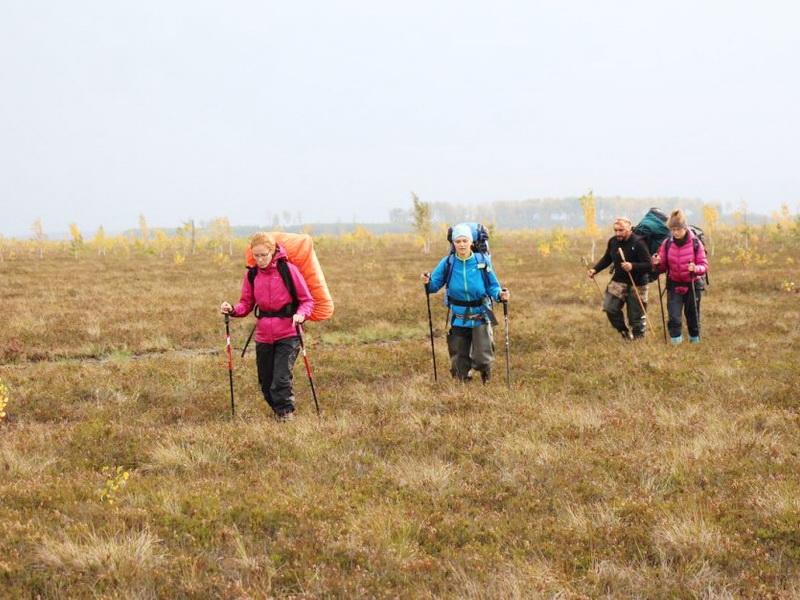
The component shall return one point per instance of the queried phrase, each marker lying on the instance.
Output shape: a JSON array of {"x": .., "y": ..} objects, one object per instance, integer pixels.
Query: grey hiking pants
[
  {"x": 470, "y": 348},
  {"x": 623, "y": 295},
  {"x": 275, "y": 363}
]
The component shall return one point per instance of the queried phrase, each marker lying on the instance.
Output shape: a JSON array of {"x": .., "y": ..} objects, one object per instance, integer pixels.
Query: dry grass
[{"x": 606, "y": 471}]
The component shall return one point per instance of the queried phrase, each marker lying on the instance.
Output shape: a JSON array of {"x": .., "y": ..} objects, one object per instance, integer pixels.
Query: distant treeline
[
  {"x": 327, "y": 228},
  {"x": 525, "y": 214},
  {"x": 544, "y": 213},
  {"x": 554, "y": 212}
]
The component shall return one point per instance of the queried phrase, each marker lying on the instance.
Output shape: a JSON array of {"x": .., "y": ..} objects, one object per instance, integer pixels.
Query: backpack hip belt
[
  {"x": 485, "y": 316},
  {"x": 467, "y": 303},
  {"x": 286, "y": 311}
]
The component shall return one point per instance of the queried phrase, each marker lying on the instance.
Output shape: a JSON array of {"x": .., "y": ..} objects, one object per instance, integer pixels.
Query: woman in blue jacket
[{"x": 470, "y": 283}]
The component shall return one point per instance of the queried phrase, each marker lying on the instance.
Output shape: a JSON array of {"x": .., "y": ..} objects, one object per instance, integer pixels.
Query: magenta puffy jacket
[
  {"x": 677, "y": 263},
  {"x": 269, "y": 291}
]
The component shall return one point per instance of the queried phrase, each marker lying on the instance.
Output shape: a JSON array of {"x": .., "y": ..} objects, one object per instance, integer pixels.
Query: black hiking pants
[
  {"x": 688, "y": 304},
  {"x": 275, "y": 363}
]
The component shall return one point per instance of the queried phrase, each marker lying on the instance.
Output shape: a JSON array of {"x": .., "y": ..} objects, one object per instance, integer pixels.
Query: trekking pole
[
  {"x": 308, "y": 368},
  {"x": 430, "y": 326},
  {"x": 661, "y": 306},
  {"x": 638, "y": 297},
  {"x": 597, "y": 285},
  {"x": 249, "y": 337},
  {"x": 696, "y": 306},
  {"x": 508, "y": 353},
  {"x": 230, "y": 359}
]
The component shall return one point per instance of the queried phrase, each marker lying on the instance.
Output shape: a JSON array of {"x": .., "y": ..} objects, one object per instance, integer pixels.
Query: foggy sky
[{"x": 337, "y": 110}]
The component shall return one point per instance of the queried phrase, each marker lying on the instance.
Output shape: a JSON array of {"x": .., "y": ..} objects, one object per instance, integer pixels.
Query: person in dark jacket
[
  {"x": 471, "y": 282},
  {"x": 632, "y": 262},
  {"x": 277, "y": 342},
  {"x": 684, "y": 259}
]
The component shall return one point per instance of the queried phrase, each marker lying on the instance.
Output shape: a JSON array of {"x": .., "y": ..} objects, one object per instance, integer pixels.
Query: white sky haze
[{"x": 337, "y": 110}]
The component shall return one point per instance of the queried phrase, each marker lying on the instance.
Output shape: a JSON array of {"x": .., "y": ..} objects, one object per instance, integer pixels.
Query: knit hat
[
  {"x": 676, "y": 219},
  {"x": 462, "y": 230}
]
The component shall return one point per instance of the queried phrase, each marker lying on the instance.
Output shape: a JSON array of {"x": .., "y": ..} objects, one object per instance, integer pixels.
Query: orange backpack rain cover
[{"x": 300, "y": 252}]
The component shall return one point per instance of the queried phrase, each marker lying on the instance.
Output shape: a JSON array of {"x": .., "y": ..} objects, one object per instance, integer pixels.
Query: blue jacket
[{"x": 467, "y": 284}]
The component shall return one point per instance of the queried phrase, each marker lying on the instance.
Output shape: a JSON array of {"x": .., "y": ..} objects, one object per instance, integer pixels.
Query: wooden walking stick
[
  {"x": 638, "y": 297},
  {"x": 597, "y": 285}
]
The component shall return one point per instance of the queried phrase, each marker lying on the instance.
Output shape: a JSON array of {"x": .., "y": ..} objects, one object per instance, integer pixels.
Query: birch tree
[{"x": 422, "y": 223}]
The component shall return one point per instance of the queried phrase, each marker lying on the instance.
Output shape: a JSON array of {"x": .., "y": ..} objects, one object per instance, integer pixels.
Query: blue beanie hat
[{"x": 462, "y": 230}]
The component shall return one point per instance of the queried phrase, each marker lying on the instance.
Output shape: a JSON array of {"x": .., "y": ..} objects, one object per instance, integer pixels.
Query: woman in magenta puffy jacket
[
  {"x": 683, "y": 258},
  {"x": 277, "y": 342}
]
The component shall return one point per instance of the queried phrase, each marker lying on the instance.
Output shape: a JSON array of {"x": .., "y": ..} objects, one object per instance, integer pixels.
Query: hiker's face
[
  {"x": 678, "y": 232},
  {"x": 462, "y": 245},
  {"x": 622, "y": 231},
  {"x": 262, "y": 254}
]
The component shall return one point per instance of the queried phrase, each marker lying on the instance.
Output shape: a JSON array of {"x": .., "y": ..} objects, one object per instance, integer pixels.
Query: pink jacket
[
  {"x": 677, "y": 263},
  {"x": 269, "y": 291}
]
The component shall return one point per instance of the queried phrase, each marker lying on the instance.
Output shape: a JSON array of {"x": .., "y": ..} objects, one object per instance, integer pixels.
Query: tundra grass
[{"x": 606, "y": 469}]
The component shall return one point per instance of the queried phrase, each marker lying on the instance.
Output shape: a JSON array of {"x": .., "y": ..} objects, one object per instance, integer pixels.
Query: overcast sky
[{"x": 338, "y": 110}]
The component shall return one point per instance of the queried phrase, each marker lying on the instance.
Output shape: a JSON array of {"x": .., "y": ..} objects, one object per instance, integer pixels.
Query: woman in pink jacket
[
  {"x": 279, "y": 315},
  {"x": 683, "y": 257}
]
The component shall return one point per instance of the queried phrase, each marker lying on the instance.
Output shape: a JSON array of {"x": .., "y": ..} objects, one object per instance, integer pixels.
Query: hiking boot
[
  {"x": 486, "y": 376},
  {"x": 694, "y": 339},
  {"x": 676, "y": 340},
  {"x": 285, "y": 417}
]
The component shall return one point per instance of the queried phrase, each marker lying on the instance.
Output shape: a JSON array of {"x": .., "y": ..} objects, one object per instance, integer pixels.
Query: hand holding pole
[{"x": 597, "y": 285}]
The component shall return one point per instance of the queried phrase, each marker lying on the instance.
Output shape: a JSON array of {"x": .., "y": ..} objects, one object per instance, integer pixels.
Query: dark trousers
[
  {"x": 688, "y": 304},
  {"x": 636, "y": 317},
  {"x": 470, "y": 348},
  {"x": 275, "y": 363}
]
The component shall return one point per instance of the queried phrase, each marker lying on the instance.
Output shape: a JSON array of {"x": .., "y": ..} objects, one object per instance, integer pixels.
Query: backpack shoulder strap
[
  {"x": 283, "y": 269},
  {"x": 485, "y": 272},
  {"x": 696, "y": 244},
  {"x": 667, "y": 244},
  {"x": 448, "y": 272},
  {"x": 448, "y": 269}
]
